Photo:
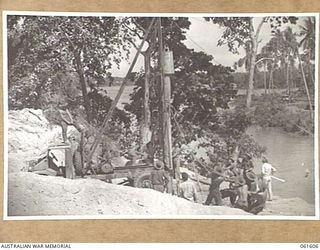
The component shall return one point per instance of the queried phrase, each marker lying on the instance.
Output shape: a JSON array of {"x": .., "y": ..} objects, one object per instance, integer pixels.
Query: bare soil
[{"x": 34, "y": 195}]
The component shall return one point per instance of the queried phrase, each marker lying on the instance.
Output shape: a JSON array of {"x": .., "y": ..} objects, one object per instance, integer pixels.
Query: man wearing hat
[
  {"x": 158, "y": 176},
  {"x": 257, "y": 197},
  {"x": 214, "y": 190},
  {"x": 249, "y": 175}
]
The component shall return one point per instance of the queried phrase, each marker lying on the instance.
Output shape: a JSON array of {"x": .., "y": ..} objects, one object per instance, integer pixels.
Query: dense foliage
[
  {"x": 241, "y": 32},
  {"x": 263, "y": 79},
  {"x": 201, "y": 93},
  {"x": 62, "y": 60},
  {"x": 45, "y": 52},
  {"x": 276, "y": 111}
]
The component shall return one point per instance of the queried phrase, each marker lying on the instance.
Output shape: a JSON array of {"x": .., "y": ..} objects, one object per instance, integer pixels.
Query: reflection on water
[{"x": 292, "y": 156}]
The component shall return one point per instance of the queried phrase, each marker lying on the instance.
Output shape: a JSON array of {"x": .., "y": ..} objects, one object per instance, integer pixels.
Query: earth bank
[{"x": 29, "y": 135}]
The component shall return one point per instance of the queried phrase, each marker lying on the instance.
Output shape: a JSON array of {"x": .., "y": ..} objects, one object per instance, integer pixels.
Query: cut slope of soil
[
  {"x": 34, "y": 195},
  {"x": 29, "y": 136}
]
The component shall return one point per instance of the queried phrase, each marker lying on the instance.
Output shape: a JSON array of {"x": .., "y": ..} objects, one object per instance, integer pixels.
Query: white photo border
[{"x": 5, "y": 14}]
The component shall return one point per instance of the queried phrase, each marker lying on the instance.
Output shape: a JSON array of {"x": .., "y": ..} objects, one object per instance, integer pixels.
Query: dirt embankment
[
  {"x": 34, "y": 195},
  {"x": 31, "y": 194},
  {"x": 29, "y": 135}
]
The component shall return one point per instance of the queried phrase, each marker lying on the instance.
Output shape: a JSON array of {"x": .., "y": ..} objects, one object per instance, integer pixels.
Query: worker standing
[
  {"x": 267, "y": 171},
  {"x": 214, "y": 191},
  {"x": 176, "y": 168},
  {"x": 187, "y": 189},
  {"x": 159, "y": 178}
]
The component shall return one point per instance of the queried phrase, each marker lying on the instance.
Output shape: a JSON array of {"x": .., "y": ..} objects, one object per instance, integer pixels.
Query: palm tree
[
  {"x": 305, "y": 83},
  {"x": 307, "y": 43},
  {"x": 281, "y": 49},
  {"x": 284, "y": 44},
  {"x": 264, "y": 60},
  {"x": 290, "y": 53},
  {"x": 284, "y": 48}
]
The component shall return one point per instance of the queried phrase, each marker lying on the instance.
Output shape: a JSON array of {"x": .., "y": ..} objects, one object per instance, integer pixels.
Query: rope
[{"x": 183, "y": 136}]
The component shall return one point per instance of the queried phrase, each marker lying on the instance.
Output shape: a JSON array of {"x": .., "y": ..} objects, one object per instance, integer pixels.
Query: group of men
[
  {"x": 246, "y": 190},
  {"x": 184, "y": 188}
]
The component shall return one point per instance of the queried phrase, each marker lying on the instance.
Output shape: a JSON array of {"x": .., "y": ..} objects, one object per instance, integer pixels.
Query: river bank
[
  {"x": 288, "y": 207},
  {"x": 292, "y": 114},
  {"x": 293, "y": 157}
]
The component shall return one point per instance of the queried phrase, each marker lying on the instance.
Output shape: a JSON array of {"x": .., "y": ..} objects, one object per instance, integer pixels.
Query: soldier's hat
[
  {"x": 158, "y": 164},
  {"x": 250, "y": 175}
]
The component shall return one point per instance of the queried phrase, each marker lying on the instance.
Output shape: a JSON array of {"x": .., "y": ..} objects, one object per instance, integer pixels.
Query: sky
[{"x": 204, "y": 36}]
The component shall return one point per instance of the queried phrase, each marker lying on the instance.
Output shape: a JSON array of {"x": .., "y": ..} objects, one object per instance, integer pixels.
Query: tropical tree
[
  {"x": 138, "y": 27},
  {"x": 284, "y": 49},
  {"x": 201, "y": 92},
  {"x": 45, "y": 48},
  {"x": 241, "y": 32},
  {"x": 307, "y": 43},
  {"x": 60, "y": 61}
]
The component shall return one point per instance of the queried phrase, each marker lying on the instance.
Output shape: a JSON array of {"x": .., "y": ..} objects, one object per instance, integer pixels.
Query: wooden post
[
  {"x": 70, "y": 174},
  {"x": 145, "y": 131},
  {"x": 166, "y": 97},
  {"x": 166, "y": 68},
  {"x": 167, "y": 121}
]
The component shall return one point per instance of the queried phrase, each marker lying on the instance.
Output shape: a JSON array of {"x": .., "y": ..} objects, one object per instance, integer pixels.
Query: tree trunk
[
  {"x": 305, "y": 85},
  {"x": 271, "y": 79},
  {"x": 83, "y": 86},
  {"x": 254, "y": 39},
  {"x": 251, "y": 74},
  {"x": 251, "y": 77},
  {"x": 310, "y": 67},
  {"x": 79, "y": 69},
  {"x": 287, "y": 78},
  {"x": 291, "y": 78}
]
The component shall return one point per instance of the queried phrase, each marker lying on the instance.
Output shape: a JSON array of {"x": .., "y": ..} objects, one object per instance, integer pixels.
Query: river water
[{"x": 292, "y": 156}]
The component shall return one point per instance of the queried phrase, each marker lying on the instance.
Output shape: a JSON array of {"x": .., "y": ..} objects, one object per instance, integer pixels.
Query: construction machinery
[
  {"x": 55, "y": 163},
  {"x": 75, "y": 162}
]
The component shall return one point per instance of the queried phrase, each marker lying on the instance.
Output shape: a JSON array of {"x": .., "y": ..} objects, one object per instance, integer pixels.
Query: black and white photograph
[{"x": 160, "y": 116}]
